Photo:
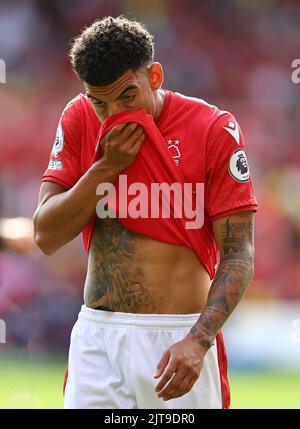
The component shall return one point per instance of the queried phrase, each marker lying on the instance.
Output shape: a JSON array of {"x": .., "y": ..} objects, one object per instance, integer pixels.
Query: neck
[{"x": 159, "y": 100}]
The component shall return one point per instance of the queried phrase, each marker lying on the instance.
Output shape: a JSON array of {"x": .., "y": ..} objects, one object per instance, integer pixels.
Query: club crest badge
[
  {"x": 173, "y": 146},
  {"x": 58, "y": 142}
]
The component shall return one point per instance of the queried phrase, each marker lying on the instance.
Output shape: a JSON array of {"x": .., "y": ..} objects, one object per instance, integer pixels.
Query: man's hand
[
  {"x": 63, "y": 213},
  {"x": 121, "y": 145},
  {"x": 182, "y": 364}
]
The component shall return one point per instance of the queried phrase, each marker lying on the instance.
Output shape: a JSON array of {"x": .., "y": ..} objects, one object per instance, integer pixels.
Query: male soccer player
[{"x": 148, "y": 334}]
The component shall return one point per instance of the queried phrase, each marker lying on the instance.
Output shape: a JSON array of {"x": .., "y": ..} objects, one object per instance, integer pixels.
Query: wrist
[
  {"x": 203, "y": 340},
  {"x": 103, "y": 172}
]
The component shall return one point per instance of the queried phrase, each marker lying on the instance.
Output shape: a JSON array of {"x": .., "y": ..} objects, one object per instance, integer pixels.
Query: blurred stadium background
[{"x": 233, "y": 53}]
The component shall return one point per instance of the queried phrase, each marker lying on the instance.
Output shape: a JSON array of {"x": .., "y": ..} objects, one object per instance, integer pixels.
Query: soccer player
[{"x": 148, "y": 334}]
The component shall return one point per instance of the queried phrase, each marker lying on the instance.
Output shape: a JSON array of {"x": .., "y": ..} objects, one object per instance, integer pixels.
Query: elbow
[
  {"x": 43, "y": 244},
  {"x": 41, "y": 238},
  {"x": 240, "y": 264}
]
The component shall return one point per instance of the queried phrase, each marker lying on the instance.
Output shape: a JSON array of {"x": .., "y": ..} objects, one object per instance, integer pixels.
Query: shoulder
[
  {"x": 78, "y": 118},
  {"x": 200, "y": 111},
  {"x": 77, "y": 107},
  {"x": 219, "y": 121}
]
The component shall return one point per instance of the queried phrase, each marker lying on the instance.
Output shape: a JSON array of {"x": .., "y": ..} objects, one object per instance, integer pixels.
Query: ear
[{"x": 156, "y": 76}]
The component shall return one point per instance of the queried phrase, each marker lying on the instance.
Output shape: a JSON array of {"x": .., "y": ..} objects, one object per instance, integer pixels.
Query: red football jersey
[{"x": 206, "y": 145}]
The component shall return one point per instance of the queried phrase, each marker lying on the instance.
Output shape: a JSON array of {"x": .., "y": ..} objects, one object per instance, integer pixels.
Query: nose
[{"x": 115, "y": 108}]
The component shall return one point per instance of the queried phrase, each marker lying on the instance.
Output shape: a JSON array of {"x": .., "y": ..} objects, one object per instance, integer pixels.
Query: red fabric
[
  {"x": 192, "y": 133},
  {"x": 223, "y": 364},
  {"x": 69, "y": 156},
  {"x": 80, "y": 128},
  {"x": 236, "y": 210},
  {"x": 66, "y": 377},
  {"x": 155, "y": 165}
]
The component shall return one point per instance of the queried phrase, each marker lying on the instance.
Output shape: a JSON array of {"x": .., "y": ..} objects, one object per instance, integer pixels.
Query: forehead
[{"x": 128, "y": 78}]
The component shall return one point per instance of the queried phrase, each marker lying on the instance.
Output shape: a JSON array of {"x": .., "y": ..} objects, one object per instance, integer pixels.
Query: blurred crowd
[{"x": 236, "y": 54}]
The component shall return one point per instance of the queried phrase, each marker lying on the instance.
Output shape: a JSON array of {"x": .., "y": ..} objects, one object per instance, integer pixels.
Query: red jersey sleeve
[
  {"x": 64, "y": 166},
  {"x": 229, "y": 187}
]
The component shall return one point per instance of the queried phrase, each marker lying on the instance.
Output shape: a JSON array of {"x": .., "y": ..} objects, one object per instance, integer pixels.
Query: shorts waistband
[{"x": 109, "y": 318}]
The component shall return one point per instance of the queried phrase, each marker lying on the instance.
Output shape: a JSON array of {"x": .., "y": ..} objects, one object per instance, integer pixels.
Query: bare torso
[{"x": 131, "y": 273}]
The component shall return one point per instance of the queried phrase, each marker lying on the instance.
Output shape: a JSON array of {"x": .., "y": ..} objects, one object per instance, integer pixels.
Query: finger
[
  {"x": 124, "y": 140},
  {"x": 181, "y": 389},
  {"x": 129, "y": 130},
  {"x": 174, "y": 384},
  {"x": 133, "y": 146},
  {"x": 162, "y": 364},
  {"x": 130, "y": 141},
  {"x": 137, "y": 137},
  {"x": 117, "y": 129},
  {"x": 166, "y": 377},
  {"x": 101, "y": 143},
  {"x": 137, "y": 145}
]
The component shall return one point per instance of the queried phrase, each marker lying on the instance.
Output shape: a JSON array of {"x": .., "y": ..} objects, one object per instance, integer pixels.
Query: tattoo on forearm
[
  {"x": 236, "y": 236},
  {"x": 232, "y": 278}
]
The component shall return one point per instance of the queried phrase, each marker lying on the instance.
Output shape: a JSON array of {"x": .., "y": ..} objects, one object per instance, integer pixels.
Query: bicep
[
  {"x": 235, "y": 233},
  {"x": 49, "y": 189}
]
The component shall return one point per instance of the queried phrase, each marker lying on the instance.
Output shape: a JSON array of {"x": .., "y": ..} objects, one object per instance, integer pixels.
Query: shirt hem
[
  {"x": 227, "y": 212},
  {"x": 57, "y": 181}
]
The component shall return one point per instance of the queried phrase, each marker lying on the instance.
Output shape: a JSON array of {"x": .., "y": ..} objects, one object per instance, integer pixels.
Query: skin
[
  {"x": 183, "y": 362},
  {"x": 62, "y": 213},
  {"x": 133, "y": 90},
  {"x": 129, "y": 272}
]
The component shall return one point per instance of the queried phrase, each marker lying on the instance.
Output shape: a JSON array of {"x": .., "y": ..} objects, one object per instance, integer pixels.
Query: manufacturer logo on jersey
[
  {"x": 233, "y": 129},
  {"x": 238, "y": 166},
  {"x": 59, "y": 141},
  {"x": 174, "y": 149}
]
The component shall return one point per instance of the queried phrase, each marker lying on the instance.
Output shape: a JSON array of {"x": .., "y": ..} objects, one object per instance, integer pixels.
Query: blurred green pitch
[{"x": 38, "y": 384}]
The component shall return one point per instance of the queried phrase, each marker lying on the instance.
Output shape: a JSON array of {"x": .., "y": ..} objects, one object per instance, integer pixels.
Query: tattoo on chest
[{"x": 115, "y": 272}]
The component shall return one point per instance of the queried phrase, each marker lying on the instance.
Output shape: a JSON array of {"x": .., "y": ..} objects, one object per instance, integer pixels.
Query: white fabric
[{"x": 113, "y": 356}]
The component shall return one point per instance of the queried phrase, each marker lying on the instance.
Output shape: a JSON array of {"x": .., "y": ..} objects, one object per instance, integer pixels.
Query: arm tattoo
[{"x": 232, "y": 278}]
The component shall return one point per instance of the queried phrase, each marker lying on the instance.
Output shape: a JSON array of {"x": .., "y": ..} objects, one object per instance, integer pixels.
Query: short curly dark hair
[{"x": 108, "y": 48}]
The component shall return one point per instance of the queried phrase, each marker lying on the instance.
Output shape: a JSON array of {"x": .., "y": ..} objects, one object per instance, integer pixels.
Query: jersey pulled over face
[
  {"x": 133, "y": 90},
  {"x": 205, "y": 144}
]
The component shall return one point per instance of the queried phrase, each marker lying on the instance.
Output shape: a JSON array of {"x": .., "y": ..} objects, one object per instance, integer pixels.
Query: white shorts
[{"x": 113, "y": 357}]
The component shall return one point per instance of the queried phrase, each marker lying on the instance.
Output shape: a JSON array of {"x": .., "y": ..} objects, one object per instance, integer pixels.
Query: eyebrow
[{"x": 129, "y": 87}]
